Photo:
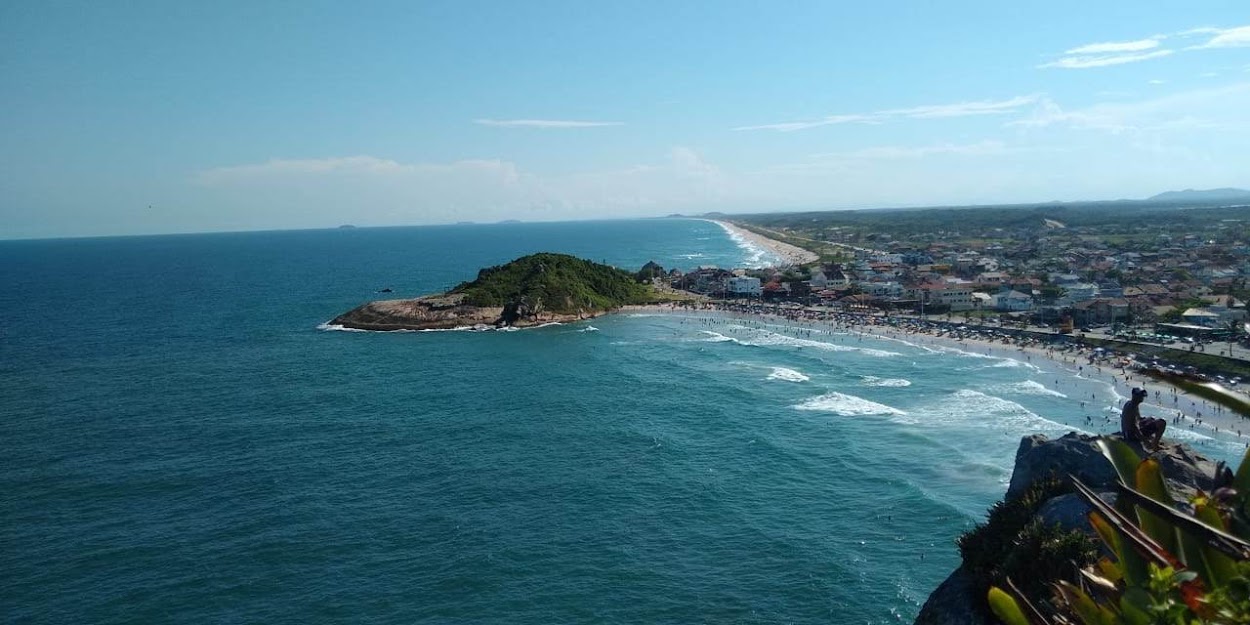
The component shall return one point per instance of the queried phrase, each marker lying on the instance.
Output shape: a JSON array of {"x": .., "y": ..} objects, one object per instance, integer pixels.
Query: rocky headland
[
  {"x": 960, "y": 599},
  {"x": 532, "y": 290}
]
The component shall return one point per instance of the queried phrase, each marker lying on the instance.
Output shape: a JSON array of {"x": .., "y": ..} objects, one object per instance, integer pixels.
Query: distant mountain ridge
[{"x": 1202, "y": 195}]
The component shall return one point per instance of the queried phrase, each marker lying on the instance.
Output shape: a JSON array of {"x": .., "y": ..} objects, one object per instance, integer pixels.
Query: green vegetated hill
[{"x": 556, "y": 282}]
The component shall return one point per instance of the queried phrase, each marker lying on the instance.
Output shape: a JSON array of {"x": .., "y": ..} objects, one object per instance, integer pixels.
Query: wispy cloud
[
  {"x": 983, "y": 148},
  {"x": 544, "y": 123},
  {"x": 1237, "y": 37},
  {"x": 1085, "y": 61},
  {"x": 1113, "y": 47},
  {"x": 1108, "y": 53},
  {"x": 964, "y": 109},
  {"x": 824, "y": 121},
  {"x": 932, "y": 111},
  {"x": 1218, "y": 108}
]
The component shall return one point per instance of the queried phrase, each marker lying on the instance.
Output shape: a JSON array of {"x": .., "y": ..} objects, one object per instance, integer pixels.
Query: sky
[{"x": 153, "y": 117}]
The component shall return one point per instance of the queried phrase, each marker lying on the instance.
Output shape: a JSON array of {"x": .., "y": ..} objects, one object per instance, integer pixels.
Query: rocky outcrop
[
  {"x": 1078, "y": 455},
  {"x": 447, "y": 311},
  {"x": 957, "y": 600}
]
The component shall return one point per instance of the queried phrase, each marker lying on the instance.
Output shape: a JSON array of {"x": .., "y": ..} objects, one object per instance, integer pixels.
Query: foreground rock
[
  {"x": 958, "y": 600},
  {"x": 448, "y": 311}
]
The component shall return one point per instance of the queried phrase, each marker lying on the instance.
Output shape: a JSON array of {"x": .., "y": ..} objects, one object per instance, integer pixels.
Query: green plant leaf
[
  {"x": 1085, "y": 608},
  {"x": 1122, "y": 457},
  {"x": 1217, "y": 568},
  {"x": 1005, "y": 607},
  {"x": 1149, "y": 480}
]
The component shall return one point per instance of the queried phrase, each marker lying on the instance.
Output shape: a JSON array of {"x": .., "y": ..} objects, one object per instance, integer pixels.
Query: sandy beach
[{"x": 790, "y": 254}]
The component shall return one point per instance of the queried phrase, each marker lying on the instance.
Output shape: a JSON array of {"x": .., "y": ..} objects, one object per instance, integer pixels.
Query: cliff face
[
  {"x": 442, "y": 312},
  {"x": 958, "y": 600}
]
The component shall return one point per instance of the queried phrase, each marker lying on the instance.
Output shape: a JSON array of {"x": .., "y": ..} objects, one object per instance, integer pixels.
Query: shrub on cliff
[
  {"x": 1013, "y": 543},
  {"x": 557, "y": 282}
]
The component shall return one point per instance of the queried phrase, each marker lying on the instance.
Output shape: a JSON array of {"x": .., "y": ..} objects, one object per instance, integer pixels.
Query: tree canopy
[{"x": 558, "y": 282}]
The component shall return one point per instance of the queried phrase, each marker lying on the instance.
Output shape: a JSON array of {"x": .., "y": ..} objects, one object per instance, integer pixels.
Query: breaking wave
[
  {"x": 788, "y": 375},
  {"x": 846, "y": 405}
]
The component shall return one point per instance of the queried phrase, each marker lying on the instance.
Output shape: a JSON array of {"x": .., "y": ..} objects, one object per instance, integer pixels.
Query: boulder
[{"x": 1077, "y": 454}]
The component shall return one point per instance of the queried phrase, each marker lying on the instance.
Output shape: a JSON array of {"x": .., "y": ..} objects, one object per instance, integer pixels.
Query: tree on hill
[{"x": 553, "y": 282}]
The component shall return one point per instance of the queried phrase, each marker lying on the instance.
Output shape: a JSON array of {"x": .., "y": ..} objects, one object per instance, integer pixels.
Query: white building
[
  {"x": 744, "y": 285},
  {"x": 1013, "y": 301}
]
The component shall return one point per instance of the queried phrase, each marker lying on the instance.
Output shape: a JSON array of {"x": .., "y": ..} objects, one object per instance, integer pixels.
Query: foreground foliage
[{"x": 1164, "y": 566}]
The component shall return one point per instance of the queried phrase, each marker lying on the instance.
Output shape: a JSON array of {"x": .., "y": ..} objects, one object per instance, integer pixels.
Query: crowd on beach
[{"x": 1181, "y": 409}]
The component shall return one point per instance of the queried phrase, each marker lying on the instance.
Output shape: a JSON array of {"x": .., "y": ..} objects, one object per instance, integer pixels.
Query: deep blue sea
[{"x": 182, "y": 444}]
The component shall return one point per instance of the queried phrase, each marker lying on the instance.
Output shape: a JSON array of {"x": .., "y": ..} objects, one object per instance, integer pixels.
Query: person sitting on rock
[{"x": 1148, "y": 431}]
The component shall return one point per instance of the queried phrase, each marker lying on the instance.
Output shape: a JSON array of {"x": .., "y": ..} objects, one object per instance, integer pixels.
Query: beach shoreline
[
  {"x": 791, "y": 255},
  {"x": 1183, "y": 410}
]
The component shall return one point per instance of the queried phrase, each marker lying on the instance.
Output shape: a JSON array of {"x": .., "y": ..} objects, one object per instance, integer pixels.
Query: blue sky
[{"x": 145, "y": 117}]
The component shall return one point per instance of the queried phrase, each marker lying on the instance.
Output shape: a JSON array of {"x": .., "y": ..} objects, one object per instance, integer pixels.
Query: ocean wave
[
  {"x": 970, "y": 407},
  {"x": 717, "y": 337},
  {"x": 1028, "y": 387},
  {"x": 872, "y": 380},
  {"x": 764, "y": 338},
  {"x": 846, "y": 405},
  {"x": 589, "y": 329},
  {"x": 788, "y": 375}
]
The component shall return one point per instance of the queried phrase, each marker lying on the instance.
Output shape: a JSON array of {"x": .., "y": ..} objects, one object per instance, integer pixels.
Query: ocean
[{"x": 183, "y": 444}]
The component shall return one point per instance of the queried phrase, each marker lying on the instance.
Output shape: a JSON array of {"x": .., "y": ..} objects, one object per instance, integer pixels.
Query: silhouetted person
[{"x": 1148, "y": 431}]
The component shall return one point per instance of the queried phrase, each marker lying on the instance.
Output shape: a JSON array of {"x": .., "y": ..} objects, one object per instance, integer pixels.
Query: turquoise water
[{"x": 181, "y": 444}]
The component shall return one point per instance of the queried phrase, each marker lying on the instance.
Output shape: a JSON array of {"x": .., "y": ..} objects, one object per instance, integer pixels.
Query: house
[
  {"x": 1201, "y": 317},
  {"x": 745, "y": 285},
  {"x": 1013, "y": 301},
  {"x": 818, "y": 280}
]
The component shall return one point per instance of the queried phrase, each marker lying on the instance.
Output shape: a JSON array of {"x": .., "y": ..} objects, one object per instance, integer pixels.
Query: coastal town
[{"x": 1184, "y": 289}]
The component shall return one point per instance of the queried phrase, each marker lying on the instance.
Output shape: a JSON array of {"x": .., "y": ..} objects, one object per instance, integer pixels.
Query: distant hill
[
  {"x": 1207, "y": 195},
  {"x": 555, "y": 282}
]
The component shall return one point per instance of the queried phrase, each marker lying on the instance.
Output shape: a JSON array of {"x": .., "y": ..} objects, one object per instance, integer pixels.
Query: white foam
[
  {"x": 589, "y": 329},
  {"x": 755, "y": 256},
  {"x": 788, "y": 375},
  {"x": 969, "y": 407},
  {"x": 334, "y": 327},
  {"x": 846, "y": 405},
  {"x": 717, "y": 337},
  {"x": 1028, "y": 387},
  {"x": 764, "y": 338},
  {"x": 872, "y": 380}
]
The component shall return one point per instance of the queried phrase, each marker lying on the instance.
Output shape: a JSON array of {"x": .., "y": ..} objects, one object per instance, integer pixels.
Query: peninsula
[{"x": 531, "y": 290}]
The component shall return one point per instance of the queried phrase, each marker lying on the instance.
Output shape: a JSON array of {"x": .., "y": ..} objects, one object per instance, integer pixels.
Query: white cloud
[
  {"x": 1216, "y": 108},
  {"x": 983, "y": 148},
  {"x": 824, "y": 121},
  {"x": 544, "y": 123},
  {"x": 959, "y": 109},
  {"x": 382, "y": 191},
  {"x": 1085, "y": 61},
  {"x": 964, "y": 109},
  {"x": 1115, "y": 47},
  {"x": 1156, "y": 81},
  {"x": 1238, "y": 37}
]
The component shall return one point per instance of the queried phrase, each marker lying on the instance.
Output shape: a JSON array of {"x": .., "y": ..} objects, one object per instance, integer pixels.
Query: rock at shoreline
[{"x": 445, "y": 312}]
